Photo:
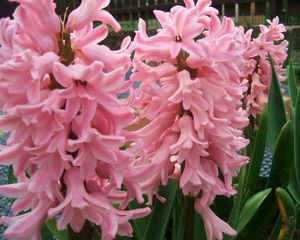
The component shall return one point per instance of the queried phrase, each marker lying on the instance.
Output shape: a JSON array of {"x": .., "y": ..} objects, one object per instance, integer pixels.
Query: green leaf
[
  {"x": 293, "y": 113},
  {"x": 139, "y": 225},
  {"x": 279, "y": 177},
  {"x": 119, "y": 238},
  {"x": 185, "y": 228},
  {"x": 237, "y": 203},
  {"x": 293, "y": 90},
  {"x": 290, "y": 39},
  {"x": 297, "y": 141},
  {"x": 176, "y": 216},
  {"x": 222, "y": 206},
  {"x": 286, "y": 204},
  {"x": 277, "y": 116},
  {"x": 293, "y": 187},
  {"x": 250, "y": 207},
  {"x": 161, "y": 212},
  {"x": 297, "y": 69},
  {"x": 276, "y": 229},
  {"x": 261, "y": 220},
  {"x": 298, "y": 216},
  {"x": 60, "y": 235},
  {"x": 45, "y": 233},
  {"x": 257, "y": 157},
  {"x": 283, "y": 160},
  {"x": 199, "y": 230},
  {"x": 288, "y": 212}
]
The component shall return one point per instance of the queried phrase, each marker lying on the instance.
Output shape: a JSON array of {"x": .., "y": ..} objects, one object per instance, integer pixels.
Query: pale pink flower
[
  {"x": 269, "y": 41},
  {"x": 19, "y": 227},
  {"x": 214, "y": 226},
  {"x": 79, "y": 205},
  {"x": 275, "y": 30},
  {"x": 7, "y": 31},
  {"x": 41, "y": 37},
  {"x": 203, "y": 8},
  {"x": 178, "y": 30},
  {"x": 89, "y": 11}
]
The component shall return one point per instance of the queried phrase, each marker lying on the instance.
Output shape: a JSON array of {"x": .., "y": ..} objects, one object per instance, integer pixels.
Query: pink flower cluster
[
  {"x": 191, "y": 92},
  {"x": 70, "y": 145},
  {"x": 58, "y": 96},
  {"x": 258, "y": 71}
]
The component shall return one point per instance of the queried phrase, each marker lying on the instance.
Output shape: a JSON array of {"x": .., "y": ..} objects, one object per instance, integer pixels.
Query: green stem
[
  {"x": 189, "y": 226},
  {"x": 186, "y": 218},
  {"x": 238, "y": 203},
  {"x": 176, "y": 214}
]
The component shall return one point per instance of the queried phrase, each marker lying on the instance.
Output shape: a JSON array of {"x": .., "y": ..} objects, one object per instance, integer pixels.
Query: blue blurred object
[{"x": 266, "y": 164}]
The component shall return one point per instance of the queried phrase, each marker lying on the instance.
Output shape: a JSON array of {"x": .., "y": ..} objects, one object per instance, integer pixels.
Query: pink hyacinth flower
[
  {"x": 191, "y": 93},
  {"x": 58, "y": 90},
  {"x": 259, "y": 70}
]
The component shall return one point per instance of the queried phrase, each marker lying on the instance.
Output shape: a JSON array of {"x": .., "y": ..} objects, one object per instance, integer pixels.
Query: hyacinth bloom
[
  {"x": 269, "y": 41},
  {"x": 192, "y": 91},
  {"x": 58, "y": 97}
]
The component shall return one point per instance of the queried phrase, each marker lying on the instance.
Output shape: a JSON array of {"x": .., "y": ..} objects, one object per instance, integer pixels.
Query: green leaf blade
[
  {"x": 276, "y": 229},
  {"x": 139, "y": 225},
  {"x": 279, "y": 177},
  {"x": 46, "y": 234},
  {"x": 286, "y": 204},
  {"x": 276, "y": 109},
  {"x": 162, "y": 212},
  {"x": 257, "y": 157},
  {"x": 293, "y": 90},
  {"x": 250, "y": 207},
  {"x": 60, "y": 235},
  {"x": 199, "y": 229},
  {"x": 297, "y": 140},
  {"x": 288, "y": 213},
  {"x": 283, "y": 160},
  {"x": 293, "y": 188}
]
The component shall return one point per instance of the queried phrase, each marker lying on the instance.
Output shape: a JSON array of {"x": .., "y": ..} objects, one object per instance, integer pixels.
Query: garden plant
[{"x": 179, "y": 158}]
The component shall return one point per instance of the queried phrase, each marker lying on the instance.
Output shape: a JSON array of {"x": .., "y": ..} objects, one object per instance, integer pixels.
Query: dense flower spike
[
  {"x": 75, "y": 148},
  {"x": 192, "y": 90},
  {"x": 58, "y": 97},
  {"x": 269, "y": 41}
]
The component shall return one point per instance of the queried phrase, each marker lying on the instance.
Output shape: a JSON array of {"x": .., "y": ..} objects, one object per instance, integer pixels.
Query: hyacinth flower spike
[{"x": 58, "y": 98}]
